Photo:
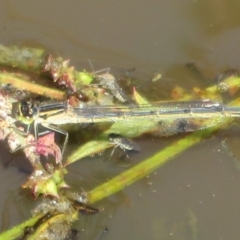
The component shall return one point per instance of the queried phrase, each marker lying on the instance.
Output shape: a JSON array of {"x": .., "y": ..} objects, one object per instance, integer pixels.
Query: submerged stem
[
  {"x": 157, "y": 160},
  {"x": 144, "y": 168},
  {"x": 18, "y": 230}
]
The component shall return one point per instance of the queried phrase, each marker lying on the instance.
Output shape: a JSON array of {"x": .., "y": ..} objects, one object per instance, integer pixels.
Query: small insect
[
  {"x": 108, "y": 80},
  {"x": 103, "y": 233},
  {"x": 85, "y": 209},
  {"x": 124, "y": 143},
  {"x": 222, "y": 85},
  {"x": 106, "y": 229}
]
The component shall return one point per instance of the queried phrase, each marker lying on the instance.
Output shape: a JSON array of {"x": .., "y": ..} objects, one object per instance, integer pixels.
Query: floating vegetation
[{"x": 29, "y": 105}]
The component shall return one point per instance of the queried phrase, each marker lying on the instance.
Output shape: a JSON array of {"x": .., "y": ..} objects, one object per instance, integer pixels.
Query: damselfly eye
[{"x": 27, "y": 109}]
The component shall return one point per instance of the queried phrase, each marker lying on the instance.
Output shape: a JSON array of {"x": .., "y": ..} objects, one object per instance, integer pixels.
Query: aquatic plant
[{"x": 29, "y": 74}]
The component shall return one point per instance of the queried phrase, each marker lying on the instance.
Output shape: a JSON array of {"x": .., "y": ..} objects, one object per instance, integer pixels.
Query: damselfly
[{"x": 50, "y": 115}]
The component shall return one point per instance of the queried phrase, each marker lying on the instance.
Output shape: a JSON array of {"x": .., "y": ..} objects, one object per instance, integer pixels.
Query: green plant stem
[
  {"x": 144, "y": 168},
  {"x": 157, "y": 160},
  {"x": 130, "y": 176},
  {"x": 18, "y": 230},
  {"x": 23, "y": 82},
  {"x": 30, "y": 59},
  {"x": 139, "y": 171}
]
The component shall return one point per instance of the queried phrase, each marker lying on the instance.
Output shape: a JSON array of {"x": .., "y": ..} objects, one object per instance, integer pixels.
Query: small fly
[
  {"x": 108, "y": 80},
  {"x": 222, "y": 84},
  {"x": 125, "y": 144}
]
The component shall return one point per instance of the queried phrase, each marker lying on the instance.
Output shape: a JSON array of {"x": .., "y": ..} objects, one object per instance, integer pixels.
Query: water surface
[{"x": 195, "y": 196}]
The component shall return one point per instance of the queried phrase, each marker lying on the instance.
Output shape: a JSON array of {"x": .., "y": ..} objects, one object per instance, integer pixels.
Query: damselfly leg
[
  {"x": 30, "y": 115},
  {"x": 55, "y": 129}
]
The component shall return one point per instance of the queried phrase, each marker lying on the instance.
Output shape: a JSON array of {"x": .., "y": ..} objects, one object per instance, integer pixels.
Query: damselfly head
[{"x": 27, "y": 111}]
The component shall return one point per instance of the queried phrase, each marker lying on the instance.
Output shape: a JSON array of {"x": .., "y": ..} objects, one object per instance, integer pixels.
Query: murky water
[{"x": 196, "y": 195}]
